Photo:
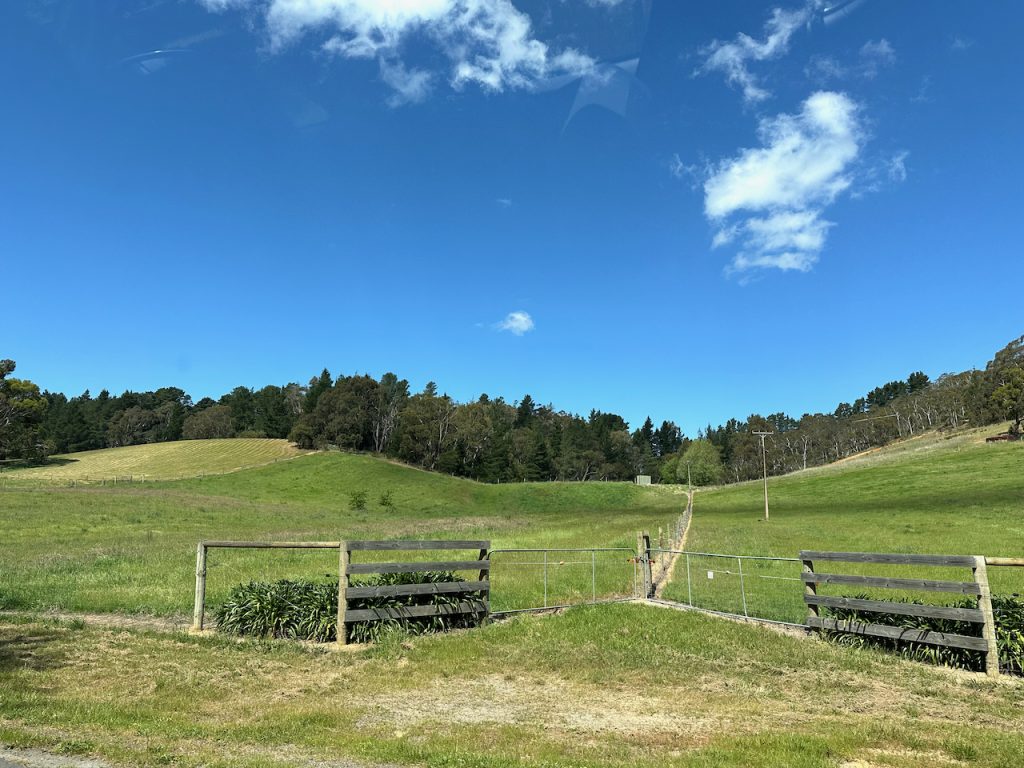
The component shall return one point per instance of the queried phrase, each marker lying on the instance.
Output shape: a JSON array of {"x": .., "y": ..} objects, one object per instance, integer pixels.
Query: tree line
[
  {"x": 492, "y": 440},
  {"x": 894, "y": 410}
]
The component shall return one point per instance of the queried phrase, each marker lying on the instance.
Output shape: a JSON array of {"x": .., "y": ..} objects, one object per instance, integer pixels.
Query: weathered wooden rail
[
  {"x": 978, "y": 588},
  {"x": 478, "y": 588}
]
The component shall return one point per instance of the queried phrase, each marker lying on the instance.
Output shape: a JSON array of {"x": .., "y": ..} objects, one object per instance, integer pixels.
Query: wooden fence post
[
  {"x": 343, "y": 557},
  {"x": 643, "y": 556},
  {"x": 199, "y": 608},
  {"x": 988, "y": 629},
  {"x": 810, "y": 588},
  {"x": 485, "y": 575},
  {"x": 638, "y": 583}
]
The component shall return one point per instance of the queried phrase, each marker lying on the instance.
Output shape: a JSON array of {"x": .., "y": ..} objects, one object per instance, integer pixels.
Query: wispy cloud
[
  {"x": 923, "y": 95},
  {"x": 693, "y": 174},
  {"x": 770, "y": 200},
  {"x": 487, "y": 42},
  {"x": 517, "y": 323},
  {"x": 732, "y": 58},
  {"x": 873, "y": 57},
  {"x": 896, "y": 168},
  {"x": 961, "y": 43},
  {"x": 410, "y": 86},
  {"x": 880, "y": 172},
  {"x": 503, "y": 202}
]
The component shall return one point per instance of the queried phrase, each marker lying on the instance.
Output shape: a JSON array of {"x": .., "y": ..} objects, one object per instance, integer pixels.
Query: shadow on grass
[
  {"x": 24, "y": 464},
  {"x": 34, "y": 650}
]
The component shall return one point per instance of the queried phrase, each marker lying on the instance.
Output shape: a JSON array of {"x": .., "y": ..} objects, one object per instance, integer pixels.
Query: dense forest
[{"x": 492, "y": 440}]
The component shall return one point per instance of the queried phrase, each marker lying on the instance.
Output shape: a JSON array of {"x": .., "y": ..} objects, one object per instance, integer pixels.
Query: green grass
[
  {"x": 132, "y": 548},
  {"x": 611, "y": 686},
  {"x": 157, "y": 461},
  {"x": 599, "y": 686},
  {"x": 931, "y": 495}
]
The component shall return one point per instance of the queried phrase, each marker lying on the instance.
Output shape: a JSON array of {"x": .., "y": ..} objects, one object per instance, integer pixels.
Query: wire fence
[
  {"x": 742, "y": 585},
  {"x": 532, "y": 579}
]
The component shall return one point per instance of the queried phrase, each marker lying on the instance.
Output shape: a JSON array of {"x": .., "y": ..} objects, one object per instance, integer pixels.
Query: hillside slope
[
  {"x": 160, "y": 461},
  {"x": 932, "y": 495},
  {"x": 132, "y": 547}
]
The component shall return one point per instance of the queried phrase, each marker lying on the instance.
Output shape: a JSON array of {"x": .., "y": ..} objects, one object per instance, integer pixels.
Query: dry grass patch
[{"x": 601, "y": 686}]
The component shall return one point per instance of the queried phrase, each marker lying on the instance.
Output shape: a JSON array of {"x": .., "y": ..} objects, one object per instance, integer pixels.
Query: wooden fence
[
  {"x": 480, "y": 603},
  {"x": 978, "y": 588}
]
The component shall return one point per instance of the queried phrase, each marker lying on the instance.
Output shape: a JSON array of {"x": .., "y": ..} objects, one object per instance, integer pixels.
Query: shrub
[
  {"x": 1008, "y": 611},
  {"x": 357, "y": 501},
  {"x": 387, "y": 500},
  {"x": 307, "y": 610}
]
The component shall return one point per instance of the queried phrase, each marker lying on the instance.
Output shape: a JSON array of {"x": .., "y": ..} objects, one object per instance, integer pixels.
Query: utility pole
[{"x": 764, "y": 462}]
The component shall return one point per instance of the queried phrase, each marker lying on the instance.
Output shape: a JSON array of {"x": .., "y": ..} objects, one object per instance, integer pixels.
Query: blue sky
[{"x": 688, "y": 210}]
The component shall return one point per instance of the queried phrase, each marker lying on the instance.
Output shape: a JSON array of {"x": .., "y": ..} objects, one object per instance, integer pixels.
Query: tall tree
[
  {"x": 387, "y": 403},
  {"x": 1008, "y": 397},
  {"x": 703, "y": 462},
  {"x": 22, "y": 407}
]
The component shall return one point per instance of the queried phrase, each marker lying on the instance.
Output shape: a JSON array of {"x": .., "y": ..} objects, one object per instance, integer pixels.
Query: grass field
[
  {"x": 158, "y": 461},
  {"x": 603, "y": 686},
  {"x": 132, "y": 548},
  {"x": 620, "y": 685},
  {"x": 930, "y": 495}
]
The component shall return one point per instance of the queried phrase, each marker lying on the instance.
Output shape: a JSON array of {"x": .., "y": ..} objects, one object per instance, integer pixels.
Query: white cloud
[
  {"x": 732, "y": 58},
  {"x": 876, "y": 55},
  {"x": 488, "y": 42},
  {"x": 411, "y": 86},
  {"x": 871, "y": 59},
  {"x": 503, "y": 202},
  {"x": 821, "y": 69},
  {"x": 961, "y": 44},
  {"x": 771, "y": 199},
  {"x": 518, "y": 323},
  {"x": 681, "y": 170},
  {"x": 897, "y": 167},
  {"x": 923, "y": 95}
]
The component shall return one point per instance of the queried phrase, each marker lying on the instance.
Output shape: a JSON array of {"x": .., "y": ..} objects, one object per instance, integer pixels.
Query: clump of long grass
[
  {"x": 1008, "y": 611},
  {"x": 299, "y": 610},
  {"x": 308, "y": 610}
]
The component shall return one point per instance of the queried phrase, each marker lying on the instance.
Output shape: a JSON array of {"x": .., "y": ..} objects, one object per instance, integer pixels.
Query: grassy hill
[
  {"x": 933, "y": 494},
  {"x": 159, "y": 461},
  {"x": 601, "y": 687},
  {"x": 132, "y": 547}
]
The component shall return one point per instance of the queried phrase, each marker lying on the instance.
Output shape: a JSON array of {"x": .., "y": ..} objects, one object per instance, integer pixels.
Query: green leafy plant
[
  {"x": 307, "y": 610},
  {"x": 301, "y": 610},
  {"x": 357, "y": 501},
  {"x": 387, "y": 500},
  {"x": 1008, "y": 611}
]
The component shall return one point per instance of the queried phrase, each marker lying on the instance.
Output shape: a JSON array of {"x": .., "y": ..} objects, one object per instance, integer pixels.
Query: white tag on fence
[{"x": 711, "y": 574}]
